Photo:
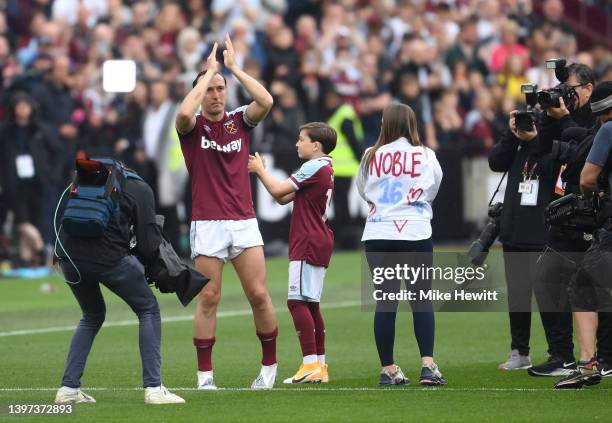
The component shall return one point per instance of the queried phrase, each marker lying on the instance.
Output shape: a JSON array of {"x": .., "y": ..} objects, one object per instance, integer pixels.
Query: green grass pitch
[{"x": 468, "y": 348}]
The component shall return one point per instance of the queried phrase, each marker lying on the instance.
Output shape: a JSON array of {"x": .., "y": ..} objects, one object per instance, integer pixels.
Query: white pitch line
[
  {"x": 170, "y": 319},
  {"x": 318, "y": 389}
]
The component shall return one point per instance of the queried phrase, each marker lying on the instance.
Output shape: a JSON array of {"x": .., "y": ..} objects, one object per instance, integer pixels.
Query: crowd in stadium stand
[{"x": 458, "y": 63}]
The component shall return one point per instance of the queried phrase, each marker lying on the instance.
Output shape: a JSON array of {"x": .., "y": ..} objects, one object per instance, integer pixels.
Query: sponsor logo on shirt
[
  {"x": 230, "y": 147},
  {"x": 230, "y": 127}
]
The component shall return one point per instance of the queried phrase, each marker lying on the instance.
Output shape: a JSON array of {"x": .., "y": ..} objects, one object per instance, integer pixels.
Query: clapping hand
[
  {"x": 256, "y": 163},
  {"x": 229, "y": 55},
  {"x": 211, "y": 61}
]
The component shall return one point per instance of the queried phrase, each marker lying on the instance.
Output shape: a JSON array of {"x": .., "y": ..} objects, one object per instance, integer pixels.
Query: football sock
[
  {"x": 304, "y": 326},
  {"x": 268, "y": 371},
  {"x": 268, "y": 347},
  {"x": 310, "y": 359},
  {"x": 202, "y": 376},
  {"x": 319, "y": 325},
  {"x": 204, "y": 350},
  {"x": 321, "y": 359}
]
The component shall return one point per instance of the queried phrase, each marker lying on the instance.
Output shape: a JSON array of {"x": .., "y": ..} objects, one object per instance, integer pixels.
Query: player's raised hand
[
  {"x": 256, "y": 163},
  {"x": 229, "y": 54},
  {"x": 211, "y": 61}
]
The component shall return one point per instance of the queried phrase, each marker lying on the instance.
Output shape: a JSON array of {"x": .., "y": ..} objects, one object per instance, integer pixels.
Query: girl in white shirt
[{"x": 399, "y": 179}]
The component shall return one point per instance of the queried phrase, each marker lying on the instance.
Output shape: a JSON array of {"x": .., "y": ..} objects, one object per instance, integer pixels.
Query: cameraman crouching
[
  {"x": 573, "y": 124},
  {"x": 590, "y": 293},
  {"x": 531, "y": 181}
]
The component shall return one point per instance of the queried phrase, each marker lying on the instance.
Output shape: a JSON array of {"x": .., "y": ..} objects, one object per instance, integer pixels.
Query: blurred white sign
[{"x": 119, "y": 76}]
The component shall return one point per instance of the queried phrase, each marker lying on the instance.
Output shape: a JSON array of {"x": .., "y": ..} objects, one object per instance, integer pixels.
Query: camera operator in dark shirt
[
  {"x": 531, "y": 181},
  {"x": 87, "y": 261},
  {"x": 590, "y": 289},
  {"x": 555, "y": 120},
  {"x": 564, "y": 136}
]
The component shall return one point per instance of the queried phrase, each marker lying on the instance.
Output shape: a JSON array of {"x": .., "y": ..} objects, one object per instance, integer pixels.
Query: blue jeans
[{"x": 126, "y": 280}]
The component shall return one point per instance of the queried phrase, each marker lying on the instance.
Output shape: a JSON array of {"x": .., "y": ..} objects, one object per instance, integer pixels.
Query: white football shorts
[
  {"x": 223, "y": 239},
  {"x": 305, "y": 281}
]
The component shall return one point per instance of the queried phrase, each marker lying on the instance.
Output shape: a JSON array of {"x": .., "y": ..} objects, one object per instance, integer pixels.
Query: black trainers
[
  {"x": 554, "y": 366},
  {"x": 605, "y": 369},
  {"x": 585, "y": 374}
]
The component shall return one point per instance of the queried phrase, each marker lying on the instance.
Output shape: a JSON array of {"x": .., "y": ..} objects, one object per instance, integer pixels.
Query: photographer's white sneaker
[
  {"x": 516, "y": 361},
  {"x": 161, "y": 395}
]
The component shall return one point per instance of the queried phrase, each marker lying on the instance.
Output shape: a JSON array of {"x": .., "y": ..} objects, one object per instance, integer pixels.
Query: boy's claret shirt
[{"x": 310, "y": 237}]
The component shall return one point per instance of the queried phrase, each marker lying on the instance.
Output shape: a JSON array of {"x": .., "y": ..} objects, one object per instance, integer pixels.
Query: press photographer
[
  {"x": 567, "y": 104},
  {"x": 590, "y": 290},
  {"x": 530, "y": 186},
  {"x": 566, "y": 131},
  {"x": 108, "y": 234}
]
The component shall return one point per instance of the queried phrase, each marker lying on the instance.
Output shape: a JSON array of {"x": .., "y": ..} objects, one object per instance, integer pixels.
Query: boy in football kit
[
  {"x": 311, "y": 240},
  {"x": 215, "y": 145}
]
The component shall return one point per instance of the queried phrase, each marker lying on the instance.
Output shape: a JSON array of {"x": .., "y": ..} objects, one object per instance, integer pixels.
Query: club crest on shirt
[{"x": 230, "y": 127}]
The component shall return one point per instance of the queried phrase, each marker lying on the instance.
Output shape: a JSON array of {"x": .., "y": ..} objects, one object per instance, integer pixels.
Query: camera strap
[
  {"x": 497, "y": 189},
  {"x": 528, "y": 173}
]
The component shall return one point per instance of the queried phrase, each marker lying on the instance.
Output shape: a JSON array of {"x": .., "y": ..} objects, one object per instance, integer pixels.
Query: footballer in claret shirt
[
  {"x": 215, "y": 146},
  {"x": 311, "y": 241}
]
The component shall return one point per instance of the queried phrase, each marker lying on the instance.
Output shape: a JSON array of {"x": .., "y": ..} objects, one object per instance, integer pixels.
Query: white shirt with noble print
[{"x": 399, "y": 185}]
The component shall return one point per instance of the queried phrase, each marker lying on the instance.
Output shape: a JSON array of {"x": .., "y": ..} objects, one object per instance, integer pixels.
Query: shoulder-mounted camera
[{"x": 573, "y": 212}]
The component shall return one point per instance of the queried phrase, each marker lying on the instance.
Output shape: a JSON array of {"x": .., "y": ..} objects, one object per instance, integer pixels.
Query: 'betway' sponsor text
[{"x": 230, "y": 147}]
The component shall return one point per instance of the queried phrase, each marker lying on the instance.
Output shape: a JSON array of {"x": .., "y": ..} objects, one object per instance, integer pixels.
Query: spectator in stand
[
  {"x": 502, "y": 106},
  {"x": 168, "y": 24},
  {"x": 521, "y": 11},
  {"x": 56, "y": 109},
  {"x": 552, "y": 23},
  {"x": 513, "y": 76},
  {"x": 374, "y": 97},
  {"x": 285, "y": 115},
  {"x": 225, "y": 11},
  {"x": 24, "y": 170},
  {"x": 306, "y": 34},
  {"x": 162, "y": 149},
  {"x": 491, "y": 18},
  {"x": 409, "y": 93},
  {"x": 447, "y": 120},
  {"x": 478, "y": 129},
  {"x": 141, "y": 15},
  {"x": 311, "y": 84},
  {"x": 567, "y": 46},
  {"x": 349, "y": 149},
  {"x": 465, "y": 49},
  {"x": 70, "y": 10},
  {"x": 508, "y": 47},
  {"x": 602, "y": 60},
  {"x": 282, "y": 58},
  {"x": 190, "y": 50}
]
